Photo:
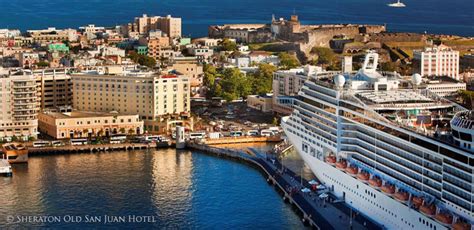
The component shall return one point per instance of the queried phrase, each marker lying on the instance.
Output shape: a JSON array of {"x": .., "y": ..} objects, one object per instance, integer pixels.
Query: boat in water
[
  {"x": 397, "y": 4},
  {"x": 373, "y": 138},
  {"x": 5, "y": 168},
  {"x": 15, "y": 153}
]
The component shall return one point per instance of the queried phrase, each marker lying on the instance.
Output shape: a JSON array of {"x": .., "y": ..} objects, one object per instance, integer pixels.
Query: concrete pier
[{"x": 317, "y": 213}]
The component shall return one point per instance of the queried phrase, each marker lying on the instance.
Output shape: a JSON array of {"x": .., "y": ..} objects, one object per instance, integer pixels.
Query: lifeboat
[
  {"x": 429, "y": 210},
  {"x": 417, "y": 201},
  {"x": 352, "y": 170},
  {"x": 331, "y": 159},
  {"x": 461, "y": 225},
  {"x": 342, "y": 164},
  {"x": 444, "y": 218},
  {"x": 388, "y": 189},
  {"x": 364, "y": 176},
  {"x": 401, "y": 196},
  {"x": 375, "y": 182}
]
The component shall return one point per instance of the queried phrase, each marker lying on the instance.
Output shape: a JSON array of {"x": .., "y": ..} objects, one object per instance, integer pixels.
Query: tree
[
  {"x": 388, "y": 66},
  {"x": 228, "y": 45},
  {"x": 122, "y": 130},
  {"x": 288, "y": 61},
  {"x": 262, "y": 80},
  {"x": 325, "y": 55},
  {"x": 42, "y": 64},
  {"x": 142, "y": 59}
]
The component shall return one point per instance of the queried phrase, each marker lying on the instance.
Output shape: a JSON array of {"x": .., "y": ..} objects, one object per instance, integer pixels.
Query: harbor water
[
  {"x": 179, "y": 189},
  {"x": 432, "y": 16}
]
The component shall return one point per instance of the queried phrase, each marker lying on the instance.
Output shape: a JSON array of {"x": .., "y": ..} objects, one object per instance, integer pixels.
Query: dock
[
  {"x": 315, "y": 212},
  {"x": 5, "y": 168},
  {"x": 95, "y": 148},
  {"x": 240, "y": 140}
]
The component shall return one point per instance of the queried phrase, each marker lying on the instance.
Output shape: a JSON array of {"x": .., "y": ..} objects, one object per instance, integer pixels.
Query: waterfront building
[
  {"x": 169, "y": 25},
  {"x": 260, "y": 102},
  {"x": 54, "y": 88},
  {"x": 437, "y": 61},
  {"x": 77, "y": 124},
  {"x": 53, "y": 35},
  {"x": 155, "y": 98},
  {"x": 386, "y": 149},
  {"x": 19, "y": 105}
]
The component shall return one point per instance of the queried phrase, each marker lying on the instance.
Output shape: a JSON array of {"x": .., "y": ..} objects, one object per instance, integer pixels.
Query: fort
[{"x": 293, "y": 35}]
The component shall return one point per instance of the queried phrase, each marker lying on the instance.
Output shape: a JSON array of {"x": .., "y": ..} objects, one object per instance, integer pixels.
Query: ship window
[
  {"x": 453, "y": 155},
  {"x": 455, "y": 133},
  {"x": 465, "y": 136}
]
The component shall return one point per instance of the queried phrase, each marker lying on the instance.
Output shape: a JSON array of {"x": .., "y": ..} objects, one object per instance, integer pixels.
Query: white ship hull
[{"x": 369, "y": 201}]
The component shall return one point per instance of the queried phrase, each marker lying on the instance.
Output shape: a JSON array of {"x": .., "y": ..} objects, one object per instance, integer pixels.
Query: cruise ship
[{"x": 385, "y": 146}]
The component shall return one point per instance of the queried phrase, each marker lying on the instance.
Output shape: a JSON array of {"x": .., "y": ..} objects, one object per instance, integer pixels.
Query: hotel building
[
  {"x": 437, "y": 61},
  {"x": 169, "y": 25},
  {"x": 54, "y": 88},
  {"x": 151, "y": 96},
  {"x": 18, "y": 105},
  {"x": 79, "y": 124}
]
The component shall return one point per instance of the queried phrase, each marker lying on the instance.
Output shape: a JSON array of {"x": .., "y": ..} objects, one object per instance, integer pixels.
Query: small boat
[
  {"x": 388, "y": 189},
  {"x": 417, "y": 201},
  {"x": 15, "y": 152},
  {"x": 352, "y": 170},
  {"x": 444, "y": 218},
  {"x": 5, "y": 168},
  {"x": 375, "y": 182},
  {"x": 429, "y": 210},
  {"x": 342, "y": 164},
  {"x": 363, "y": 176},
  {"x": 331, "y": 159},
  {"x": 461, "y": 225},
  {"x": 401, "y": 196},
  {"x": 397, "y": 4}
]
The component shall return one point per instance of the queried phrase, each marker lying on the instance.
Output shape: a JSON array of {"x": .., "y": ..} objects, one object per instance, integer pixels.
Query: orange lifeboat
[
  {"x": 364, "y": 176},
  {"x": 388, "y": 189},
  {"x": 331, "y": 159},
  {"x": 375, "y": 182},
  {"x": 429, "y": 210},
  {"x": 401, "y": 196},
  {"x": 352, "y": 170},
  {"x": 444, "y": 218},
  {"x": 342, "y": 164},
  {"x": 461, "y": 225},
  {"x": 417, "y": 201}
]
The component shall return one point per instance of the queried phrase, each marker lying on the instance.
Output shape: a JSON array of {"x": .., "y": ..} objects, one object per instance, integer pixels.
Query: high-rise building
[
  {"x": 19, "y": 106},
  {"x": 54, "y": 88},
  {"x": 437, "y": 61},
  {"x": 169, "y": 25},
  {"x": 150, "y": 95}
]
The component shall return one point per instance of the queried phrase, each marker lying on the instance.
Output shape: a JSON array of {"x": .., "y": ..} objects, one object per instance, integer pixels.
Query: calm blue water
[
  {"x": 182, "y": 190},
  {"x": 433, "y": 16}
]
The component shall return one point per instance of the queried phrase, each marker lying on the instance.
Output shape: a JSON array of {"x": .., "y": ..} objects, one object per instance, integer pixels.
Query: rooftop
[{"x": 83, "y": 114}]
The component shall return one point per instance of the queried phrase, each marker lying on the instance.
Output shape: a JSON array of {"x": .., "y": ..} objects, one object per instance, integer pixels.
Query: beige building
[
  {"x": 437, "y": 61},
  {"x": 195, "y": 73},
  {"x": 79, "y": 124},
  {"x": 169, "y": 25},
  {"x": 18, "y": 105},
  {"x": 52, "y": 34},
  {"x": 262, "y": 103},
  {"x": 286, "y": 83},
  {"x": 54, "y": 88},
  {"x": 147, "y": 94}
]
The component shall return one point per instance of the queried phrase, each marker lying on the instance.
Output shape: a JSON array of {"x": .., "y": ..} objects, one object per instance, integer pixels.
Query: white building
[
  {"x": 444, "y": 86},
  {"x": 437, "y": 61},
  {"x": 287, "y": 83},
  {"x": 19, "y": 105},
  {"x": 7, "y": 33}
]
